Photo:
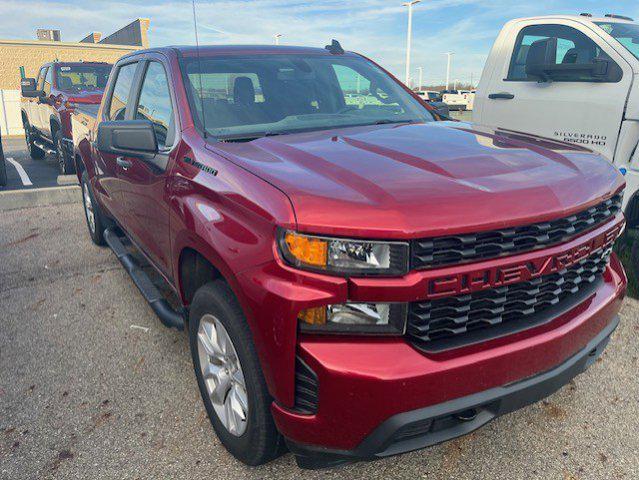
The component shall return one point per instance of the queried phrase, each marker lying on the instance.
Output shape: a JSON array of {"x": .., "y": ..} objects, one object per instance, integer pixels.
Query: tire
[
  {"x": 96, "y": 222},
  {"x": 255, "y": 441},
  {"x": 34, "y": 151},
  {"x": 65, "y": 164}
]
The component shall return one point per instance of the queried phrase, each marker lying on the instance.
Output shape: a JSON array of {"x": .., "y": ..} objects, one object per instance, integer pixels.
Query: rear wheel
[
  {"x": 34, "y": 151},
  {"x": 65, "y": 164},
  {"x": 229, "y": 376},
  {"x": 93, "y": 214}
]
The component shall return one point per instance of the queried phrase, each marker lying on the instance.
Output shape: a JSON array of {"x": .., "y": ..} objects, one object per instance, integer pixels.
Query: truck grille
[
  {"x": 455, "y": 321},
  {"x": 306, "y": 387},
  {"x": 456, "y": 249}
]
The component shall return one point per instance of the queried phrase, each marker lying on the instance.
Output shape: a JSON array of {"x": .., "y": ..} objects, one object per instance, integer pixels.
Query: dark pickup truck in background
[
  {"x": 47, "y": 103},
  {"x": 357, "y": 278}
]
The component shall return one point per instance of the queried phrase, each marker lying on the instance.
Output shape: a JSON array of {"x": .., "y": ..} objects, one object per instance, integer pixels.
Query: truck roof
[
  {"x": 212, "y": 50},
  {"x": 72, "y": 64},
  {"x": 578, "y": 18}
]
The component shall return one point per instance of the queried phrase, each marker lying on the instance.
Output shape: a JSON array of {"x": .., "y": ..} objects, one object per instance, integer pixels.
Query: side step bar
[
  {"x": 168, "y": 316},
  {"x": 42, "y": 146}
]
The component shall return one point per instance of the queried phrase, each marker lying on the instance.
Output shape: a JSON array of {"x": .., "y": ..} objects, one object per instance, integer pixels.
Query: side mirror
[
  {"x": 135, "y": 138},
  {"x": 29, "y": 88}
]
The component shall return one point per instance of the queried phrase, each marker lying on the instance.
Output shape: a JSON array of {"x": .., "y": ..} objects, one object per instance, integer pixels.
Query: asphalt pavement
[{"x": 93, "y": 387}]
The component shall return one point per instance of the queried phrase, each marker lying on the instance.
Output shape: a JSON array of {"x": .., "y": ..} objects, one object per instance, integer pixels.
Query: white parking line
[{"x": 26, "y": 181}]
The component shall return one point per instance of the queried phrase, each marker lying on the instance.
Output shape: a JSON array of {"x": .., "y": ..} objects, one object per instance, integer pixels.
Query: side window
[
  {"x": 47, "y": 81},
  {"x": 41, "y": 75},
  {"x": 573, "y": 48},
  {"x": 155, "y": 104},
  {"x": 121, "y": 91}
]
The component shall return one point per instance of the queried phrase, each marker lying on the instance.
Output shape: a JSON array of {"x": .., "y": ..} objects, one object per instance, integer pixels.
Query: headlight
[
  {"x": 344, "y": 257},
  {"x": 355, "y": 318}
]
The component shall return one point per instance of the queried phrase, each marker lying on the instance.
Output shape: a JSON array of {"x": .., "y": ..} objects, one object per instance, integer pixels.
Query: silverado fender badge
[{"x": 201, "y": 166}]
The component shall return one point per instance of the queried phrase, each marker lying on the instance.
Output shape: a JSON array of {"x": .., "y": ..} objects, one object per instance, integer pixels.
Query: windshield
[
  {"x": 625, "y": 33},
  {"x": 78, "y": 78},
  {"x": 252, "y": 96}
]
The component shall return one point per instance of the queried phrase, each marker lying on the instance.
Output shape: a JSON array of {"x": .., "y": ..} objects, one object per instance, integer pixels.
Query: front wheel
[
  {"x": 34, "y": 151},
  {"x": 229, "y": 376}
]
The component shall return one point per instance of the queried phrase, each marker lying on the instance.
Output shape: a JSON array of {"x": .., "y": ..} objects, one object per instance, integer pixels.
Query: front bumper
[
  {"x": 367, "y": 385},
  {"x": 408, "y": 431}
]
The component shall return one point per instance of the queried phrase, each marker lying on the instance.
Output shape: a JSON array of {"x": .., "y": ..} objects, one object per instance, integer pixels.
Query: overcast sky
[{"x": 376, "y": 28}]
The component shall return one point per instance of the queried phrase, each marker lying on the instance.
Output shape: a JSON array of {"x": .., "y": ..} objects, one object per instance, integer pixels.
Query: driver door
[{"x": 582, "y": 110}]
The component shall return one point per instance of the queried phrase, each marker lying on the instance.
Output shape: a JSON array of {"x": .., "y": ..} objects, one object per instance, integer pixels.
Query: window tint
[
  {"x": 573, "y": 47},
  {"x": 47, "y": 81},
  {"x": 155, "y": 104},
  {"x": 121, "y": 90},
  {"x": 41, "y": 75}
]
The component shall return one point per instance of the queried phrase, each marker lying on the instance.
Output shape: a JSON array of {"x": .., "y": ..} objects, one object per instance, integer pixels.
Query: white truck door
[{"x": 577, "y": 105}]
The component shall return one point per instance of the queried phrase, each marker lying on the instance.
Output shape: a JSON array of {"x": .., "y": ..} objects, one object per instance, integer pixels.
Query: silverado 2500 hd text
[{"x": 357, "y": 279}]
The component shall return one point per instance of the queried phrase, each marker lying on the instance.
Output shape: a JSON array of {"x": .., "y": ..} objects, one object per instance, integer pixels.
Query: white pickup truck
[{"x": 571, "y": 78}]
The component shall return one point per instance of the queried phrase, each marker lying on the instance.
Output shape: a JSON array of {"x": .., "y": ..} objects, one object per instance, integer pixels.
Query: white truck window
[{"x": 573, "y": 47}]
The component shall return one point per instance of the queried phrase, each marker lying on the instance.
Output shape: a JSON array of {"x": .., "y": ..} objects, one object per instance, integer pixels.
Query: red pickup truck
[
  {"x": 358, "y": 279},
  {"x": 47, "y": 103}
]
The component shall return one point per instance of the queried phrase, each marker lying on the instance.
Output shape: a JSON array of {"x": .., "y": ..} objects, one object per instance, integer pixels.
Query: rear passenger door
[{"x": 144, "y": 180}]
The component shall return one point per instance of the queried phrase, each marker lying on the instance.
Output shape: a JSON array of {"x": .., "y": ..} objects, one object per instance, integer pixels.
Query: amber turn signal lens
[
  {"x": 307, "y": 250},
  {"x": 313, "y": 316}
]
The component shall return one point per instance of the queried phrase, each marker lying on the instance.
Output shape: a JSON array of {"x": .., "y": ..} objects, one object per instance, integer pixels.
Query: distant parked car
[
  {"x": 455, "y": 99},
  {"x": 3, "y": 167},
  {"x": 49, "y": 99},
  {"x": 434, "y": 99}
]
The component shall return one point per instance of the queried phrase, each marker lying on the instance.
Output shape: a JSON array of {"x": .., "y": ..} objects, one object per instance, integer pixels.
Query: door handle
[
  {"x": 501, "y": 96},
  {"x": 122, "y": 162}
]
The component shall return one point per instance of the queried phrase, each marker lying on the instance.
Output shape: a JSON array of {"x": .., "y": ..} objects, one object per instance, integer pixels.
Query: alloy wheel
[{"x": 223, "y": 375}]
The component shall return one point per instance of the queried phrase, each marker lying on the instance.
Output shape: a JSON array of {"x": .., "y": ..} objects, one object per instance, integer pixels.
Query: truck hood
[{"x": 425, "y": 180}]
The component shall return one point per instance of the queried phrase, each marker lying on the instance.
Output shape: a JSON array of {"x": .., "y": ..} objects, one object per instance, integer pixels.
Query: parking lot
[{"x": 92, "y": 386}]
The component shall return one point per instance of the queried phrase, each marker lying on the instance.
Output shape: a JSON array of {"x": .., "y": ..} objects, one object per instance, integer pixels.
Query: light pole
[
  {"x": 409, "y": 4},
  {"x": 450, "y": 54},
  {"x": 277, "y": 37},
  {"x": 421, "y": 77}
]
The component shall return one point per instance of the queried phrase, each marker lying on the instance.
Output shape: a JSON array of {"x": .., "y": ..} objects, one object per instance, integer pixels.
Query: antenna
[{"x": 199, "y": 69}]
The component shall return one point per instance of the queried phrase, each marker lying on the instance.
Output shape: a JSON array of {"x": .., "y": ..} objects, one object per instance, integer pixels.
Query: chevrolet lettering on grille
[{"x": 475, "y": 281}]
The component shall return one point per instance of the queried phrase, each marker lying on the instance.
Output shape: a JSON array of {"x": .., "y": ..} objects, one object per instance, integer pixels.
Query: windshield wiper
[{"x": 388, "y": 121}]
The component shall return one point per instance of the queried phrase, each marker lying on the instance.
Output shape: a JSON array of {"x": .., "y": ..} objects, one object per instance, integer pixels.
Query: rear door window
[{"x": 121, "y": 91}]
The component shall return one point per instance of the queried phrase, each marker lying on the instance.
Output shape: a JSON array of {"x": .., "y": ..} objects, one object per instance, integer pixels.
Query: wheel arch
[{"x": 632, "y": 211}]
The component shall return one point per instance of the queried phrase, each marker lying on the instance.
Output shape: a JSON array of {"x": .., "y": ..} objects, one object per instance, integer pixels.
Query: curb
[{"x": 39, "y": 197}]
